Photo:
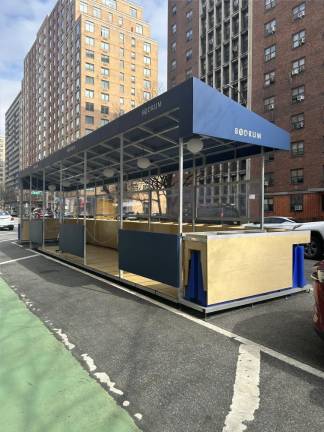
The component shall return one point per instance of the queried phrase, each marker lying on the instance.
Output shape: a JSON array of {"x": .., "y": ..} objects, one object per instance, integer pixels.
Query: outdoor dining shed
[{"x": 204, "y": 264}]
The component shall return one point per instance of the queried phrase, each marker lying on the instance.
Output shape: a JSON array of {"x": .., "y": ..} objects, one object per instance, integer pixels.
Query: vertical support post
[
  {"x": 180, "y": 219},
  {"x": 44, "y": 206},
  {"x": 95, "y": 201},
  {"x": 85, "y": 207},
  {"x": 150, "y": 203},
  {"x": 121, "y": 189},
  {"x": 30, "y": 205},
  {"x": 61, "y": 192},
  {"x": 21, "y": 208},
  {"x": 78, "y": 202},
  {"x": 262, "y": 189},
  {"x": 194, "y": 193}
]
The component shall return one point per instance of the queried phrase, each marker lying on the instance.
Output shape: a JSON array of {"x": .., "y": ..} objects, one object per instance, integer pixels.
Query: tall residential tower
[{"x": 91, "y": 62}]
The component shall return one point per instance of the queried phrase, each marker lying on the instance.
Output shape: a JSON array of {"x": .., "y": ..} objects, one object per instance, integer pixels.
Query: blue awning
[{"x": 153, "y": 130}]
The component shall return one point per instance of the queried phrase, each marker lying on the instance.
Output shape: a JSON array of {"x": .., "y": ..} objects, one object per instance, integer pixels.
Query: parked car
[
  {"x": 318, "y": 284},
  {"x": 226, "y": 214},
  {"x": 314, "y": 249},
  {"x": 6, "y": 220},
  {"x": 14, "y": 213}
]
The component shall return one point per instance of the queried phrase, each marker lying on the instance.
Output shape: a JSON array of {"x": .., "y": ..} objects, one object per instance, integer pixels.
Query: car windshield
[{"x": 4, "y": 213}]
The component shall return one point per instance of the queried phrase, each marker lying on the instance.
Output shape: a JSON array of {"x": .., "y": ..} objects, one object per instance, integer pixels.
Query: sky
[{"x": 19, "y": 25}]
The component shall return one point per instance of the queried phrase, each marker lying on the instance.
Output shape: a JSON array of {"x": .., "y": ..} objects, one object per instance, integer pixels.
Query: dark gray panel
[
  {"x": 151, "y": 255},
  {"x": 71, "y": 239},
  {"x": 36, "y": 232}
]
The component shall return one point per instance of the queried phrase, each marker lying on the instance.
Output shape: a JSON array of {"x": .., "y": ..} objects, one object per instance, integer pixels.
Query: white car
[
  {"x": 314, "y": 249},
  {"x": 6, "y": 221}
]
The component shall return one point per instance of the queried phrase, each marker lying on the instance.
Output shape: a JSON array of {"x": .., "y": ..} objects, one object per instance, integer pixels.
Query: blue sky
[{"x": 19, "y": 25}]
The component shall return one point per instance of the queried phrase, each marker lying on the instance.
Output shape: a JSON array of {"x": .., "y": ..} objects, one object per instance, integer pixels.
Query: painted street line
[
  {"x": 18, "y": 259},
  {"x": 246, "y": 396},
  {"x": 275, "y": 354}
]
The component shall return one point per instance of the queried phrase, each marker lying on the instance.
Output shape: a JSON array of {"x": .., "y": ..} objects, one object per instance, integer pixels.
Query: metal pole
[
  {"x": 193, "y": 193},
  {"x": 85, "y": 208},
  {"x": 150, "y": 203},
  {"x": 61, "y": 192},
  {"x": 180, "y": 220},
  {"x": 44, "y": 206},
  {"x": 30, "y": 204},
  {"x": 78, "y": 202},
  {"x": 262, "y": 189},
  {"x": 121, "y": 189},
  {"x": 21, "y": 209}
]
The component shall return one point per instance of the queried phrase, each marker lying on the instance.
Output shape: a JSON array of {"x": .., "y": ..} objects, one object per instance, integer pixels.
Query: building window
[
  {"x": 133, "y": 67},
  {"x": 270, "y": 27},
  {"x": 297, "y": 121},
  {"x": 83, "y": 7},
  {"x": 105, "y": 97},
  {"x": 111, "y": 3},
  {"x": 298, "y": 39},
  {"x": 133, "y": 55},
  {"x": 174, "y": 10},
  {"x": 121, "y": 38},
  {"x": 189, "y": 35},
  {"x": 147, "y": 47},
  {"x": 146, "y": 95},
  {"x": 173, "y": 65},
  {"x": 297, "y": 176},
  {"x": 269, "y": 4},
  {"x": 121, "y": 76},
  {"x": 104, "y": 71},
  {"x": 147, "y": 84},
  {"x": 104, "y": 109},
  {"x": 132, "y": 103},
  {"x": 89, "y": 26},
  {"x": 298, "y": 12},
  {"x": 89, "y": 120},
  {"x": 189, "y": 73},
  {"x": 269, "y": 104},
  {"x": 269, "y": 156},
  {"x": 268, "y": 204},
  {"x": 270, "y": 53},
  {"x": 105, "y": 46},
  {"x": 139, "y": 29},
  {"x": 120, "y": 21},
  {"x": 174, "y": 28},
  {"x": 189, "y": 54},
  {"x": 89, "y": 106},
  {"x": 297, "y": 148},
  {"x": 133, "y": 42},
  {"x": 104, "y": 84},
  {"x": 121, "y": 101},
  {"x": 89, "y": 41},
  {"x": 89, "y": 80},
  {"x": 173, "y": 47},
  {"x": 89, "y": 67},
  {"x": 89, "y": 93},
  {"x": 133, "y": 12},
  {"x": 298, "y": 66},
  {"x": 96, "y": 12},
  {"x": 269, "y": 78},
  {"x": 104, "y": 58},
  {"x": 132, "y": 91},
  {"x": 147, "y": 60},
  {"x": 298, "y": 94},
  {"x": 147, "y": 72},
  {"x": 121, "y": 88},
  {"x": 189, "y": 15},
  {"x": 103, "y": 122},
  {"x": 296, "y": 202},
  {"x": 89, "y": 54},
  {"x": 268, "y": 179},
  {"x": 105, "y": 32}
]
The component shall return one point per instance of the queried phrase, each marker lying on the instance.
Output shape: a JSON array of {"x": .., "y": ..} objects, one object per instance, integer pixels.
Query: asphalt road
[{"x": 183, "y": 374}]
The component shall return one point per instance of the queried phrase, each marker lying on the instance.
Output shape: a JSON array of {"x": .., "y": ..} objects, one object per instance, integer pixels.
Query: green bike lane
[{"x": 42, "y": 386}]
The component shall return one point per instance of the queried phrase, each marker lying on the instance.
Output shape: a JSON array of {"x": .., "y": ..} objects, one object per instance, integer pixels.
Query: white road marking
[
  {"x": 89, "y": 361},
  {"x": 126, "y": 403},
  {"x": 138, "y": 416},
  {"x": 104, "y": 379},
  {"x": 18, "y": 259},
  {"x": 246, "y": 395},
  {"x": 65, "y": 339},
  {"x": 275, "y": 354}
]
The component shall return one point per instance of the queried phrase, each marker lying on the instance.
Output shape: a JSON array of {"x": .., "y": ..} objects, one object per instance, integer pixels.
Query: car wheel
[
  {"x": 11, "y": 228},
  {"x": 314, "y": 249}
]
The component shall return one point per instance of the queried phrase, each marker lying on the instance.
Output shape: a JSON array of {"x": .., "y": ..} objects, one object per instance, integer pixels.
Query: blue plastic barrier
[
  {"x": 299, "y": 280},
  {"x": 195, "y": 289}
]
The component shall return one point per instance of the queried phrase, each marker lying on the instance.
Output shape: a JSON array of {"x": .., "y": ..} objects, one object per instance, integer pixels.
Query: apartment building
[
  {"x": 91, "y": 62},
  {"x": 13, "y": 144},
  {"x": 267, "y": 54},
  {"x": 288, "y": 89},
  {"x": 183, "y": 40},
  {"x": 2, "y": 161}
]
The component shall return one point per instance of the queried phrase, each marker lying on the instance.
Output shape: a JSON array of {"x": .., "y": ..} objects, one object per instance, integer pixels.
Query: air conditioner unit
[
  {"x": 271, "y": 107},
  {"x": 272, "y": 80},
  {"x": 302, "y": 40},
  {"x": 295, "y": 71},
  {"x": 300, "y": 98},
  {"x": 301, "y": 14},
  {"x": 298, "y": 207},
  {"x": 273, "y": 30},
  {"x": 299, "y": 125}
]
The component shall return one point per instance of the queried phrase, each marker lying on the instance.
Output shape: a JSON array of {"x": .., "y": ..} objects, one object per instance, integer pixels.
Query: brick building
[{"x": 92, "y": 60}]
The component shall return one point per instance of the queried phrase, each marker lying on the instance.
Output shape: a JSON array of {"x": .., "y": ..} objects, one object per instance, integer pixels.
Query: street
[{"x": 175, "y": 371}]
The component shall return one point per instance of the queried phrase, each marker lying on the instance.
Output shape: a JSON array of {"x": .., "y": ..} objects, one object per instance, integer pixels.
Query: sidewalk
[{"x": 42, "y": 386}]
